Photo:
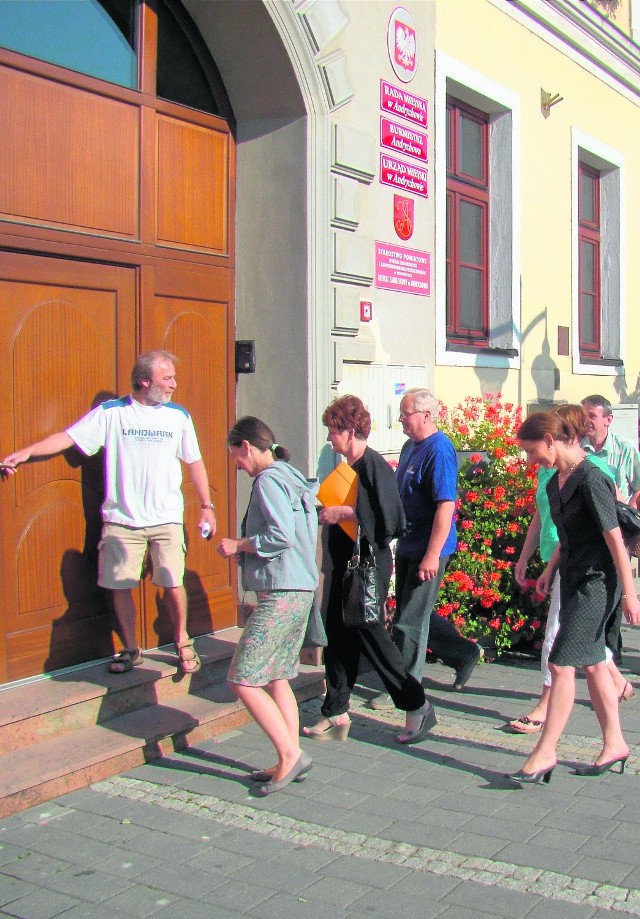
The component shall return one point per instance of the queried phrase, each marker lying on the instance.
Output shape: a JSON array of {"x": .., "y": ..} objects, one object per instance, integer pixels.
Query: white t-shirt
[{"x": 143, "y": 448}]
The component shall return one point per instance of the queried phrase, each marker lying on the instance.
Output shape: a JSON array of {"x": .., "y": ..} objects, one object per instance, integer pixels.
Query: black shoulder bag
[
  {"x": 629, "y": 523},
  {"x": 360, "y": 601}
]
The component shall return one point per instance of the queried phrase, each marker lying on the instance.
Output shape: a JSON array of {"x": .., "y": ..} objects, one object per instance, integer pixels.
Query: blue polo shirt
[{"x": 427, "y": 474}]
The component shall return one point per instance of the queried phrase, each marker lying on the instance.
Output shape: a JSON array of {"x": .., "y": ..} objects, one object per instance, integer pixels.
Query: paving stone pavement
[{"x": 376, "y": 830}]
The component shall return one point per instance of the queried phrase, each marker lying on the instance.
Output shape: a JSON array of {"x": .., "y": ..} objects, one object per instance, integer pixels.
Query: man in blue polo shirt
[{"x": 427, "y": 476}]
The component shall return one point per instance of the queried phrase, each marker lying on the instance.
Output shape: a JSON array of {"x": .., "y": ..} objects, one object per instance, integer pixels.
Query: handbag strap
[{"x": 355, "y": 558}]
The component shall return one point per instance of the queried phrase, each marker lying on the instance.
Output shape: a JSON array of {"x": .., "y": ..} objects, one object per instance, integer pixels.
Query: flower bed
[{"x": 496, "y": 500}]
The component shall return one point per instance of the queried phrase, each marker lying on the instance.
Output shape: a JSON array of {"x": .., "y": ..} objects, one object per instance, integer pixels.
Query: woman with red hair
[{"x": 380, "y": 516}]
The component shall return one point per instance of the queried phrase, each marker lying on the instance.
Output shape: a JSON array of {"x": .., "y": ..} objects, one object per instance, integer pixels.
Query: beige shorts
[{"x": 122, "y": 552}]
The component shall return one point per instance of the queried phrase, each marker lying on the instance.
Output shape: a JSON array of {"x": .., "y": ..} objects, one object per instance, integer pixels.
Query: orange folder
[{"x": 341, "y": 488}]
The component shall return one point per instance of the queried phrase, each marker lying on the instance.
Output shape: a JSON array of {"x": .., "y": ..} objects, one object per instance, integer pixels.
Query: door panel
[
  {"x": 60, "y": 322},
  {"x": 188, "y": 312},
  {"x": 50, "y": 134},
  {"x": 193, "y": 170},
  {"x": 150, "y": 184}
]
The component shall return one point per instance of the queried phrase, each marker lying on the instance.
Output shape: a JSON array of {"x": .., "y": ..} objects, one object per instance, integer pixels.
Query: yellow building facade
[
  {"x": 564, "y": 57},
  {"x": 556, "y": 87}
]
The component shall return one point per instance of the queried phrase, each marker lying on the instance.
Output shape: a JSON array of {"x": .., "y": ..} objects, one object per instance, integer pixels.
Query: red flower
[{"x": 496, "y": 500}]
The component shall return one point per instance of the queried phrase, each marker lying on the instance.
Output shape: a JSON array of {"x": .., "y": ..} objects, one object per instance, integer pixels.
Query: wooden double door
[{"x": 69, "y": 335}]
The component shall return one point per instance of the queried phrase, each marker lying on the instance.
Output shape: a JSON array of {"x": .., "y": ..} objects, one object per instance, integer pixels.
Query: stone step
[
  {"x": 69, "y": 700},
  {"x": 71, "y": 729}
]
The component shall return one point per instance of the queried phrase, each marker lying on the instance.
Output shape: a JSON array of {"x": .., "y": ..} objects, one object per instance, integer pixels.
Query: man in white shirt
[{"x": 145, "y": 437}]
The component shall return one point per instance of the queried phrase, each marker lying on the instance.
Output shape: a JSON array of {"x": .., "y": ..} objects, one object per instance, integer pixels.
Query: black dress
[{"x": 589, "y": 587}]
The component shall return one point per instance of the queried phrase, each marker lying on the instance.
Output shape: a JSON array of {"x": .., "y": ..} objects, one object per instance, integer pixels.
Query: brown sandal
[
  {"x": 125, "y": 660},
  {"x": 628, "y": 692},
  {"x": 525, "y": 725},
  {"x": 187, "y": 654}
]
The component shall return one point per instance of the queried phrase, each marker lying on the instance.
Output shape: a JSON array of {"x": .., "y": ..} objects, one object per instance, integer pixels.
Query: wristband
[{"x": 205, "y": 507}]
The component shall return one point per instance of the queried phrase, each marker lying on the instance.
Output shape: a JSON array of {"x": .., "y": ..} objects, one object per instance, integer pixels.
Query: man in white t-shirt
[{"x": 145, "y": 437}]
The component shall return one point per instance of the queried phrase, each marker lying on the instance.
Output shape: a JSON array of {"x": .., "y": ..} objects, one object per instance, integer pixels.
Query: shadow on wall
[
  {"x": 544, "y": 370},
  {"x": 624, "y": 394},
  {"x": 83, "y": 632}
]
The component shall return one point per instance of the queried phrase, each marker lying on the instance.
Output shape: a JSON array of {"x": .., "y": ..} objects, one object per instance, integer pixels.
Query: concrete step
[
  {"x": 69, "y": 700},
  {"x": 69, "y": 730}
]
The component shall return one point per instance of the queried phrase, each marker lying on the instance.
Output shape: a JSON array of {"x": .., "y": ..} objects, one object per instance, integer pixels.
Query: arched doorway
[
  {"x": 285, "y": 138},
  {"x": 116, "y": 235}
]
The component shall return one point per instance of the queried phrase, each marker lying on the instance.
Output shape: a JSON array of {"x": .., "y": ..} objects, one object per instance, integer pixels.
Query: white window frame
[
  {"x": 610, "y": 165},
  {"x": 503, "y": 106}
]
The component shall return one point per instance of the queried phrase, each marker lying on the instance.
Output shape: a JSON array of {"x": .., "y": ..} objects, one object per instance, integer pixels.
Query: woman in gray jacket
[{"x": 277, "y": 553}]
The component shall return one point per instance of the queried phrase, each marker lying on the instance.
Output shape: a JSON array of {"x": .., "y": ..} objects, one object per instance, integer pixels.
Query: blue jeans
[{"x": 415, "y": 600}]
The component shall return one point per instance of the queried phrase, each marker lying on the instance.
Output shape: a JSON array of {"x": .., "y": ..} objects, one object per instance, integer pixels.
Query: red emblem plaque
[{"x": 403, "y": 210}]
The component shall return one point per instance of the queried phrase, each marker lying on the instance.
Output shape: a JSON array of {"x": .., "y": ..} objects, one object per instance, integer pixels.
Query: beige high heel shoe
[{"x": 332, "y": 731}]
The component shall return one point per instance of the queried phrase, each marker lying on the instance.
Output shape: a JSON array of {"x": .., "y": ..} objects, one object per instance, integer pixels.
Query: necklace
[{"x": 562, "y": 477}]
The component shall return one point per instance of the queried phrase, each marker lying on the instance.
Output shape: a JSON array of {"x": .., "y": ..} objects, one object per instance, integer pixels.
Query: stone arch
[{"x": 282, "y": 94}]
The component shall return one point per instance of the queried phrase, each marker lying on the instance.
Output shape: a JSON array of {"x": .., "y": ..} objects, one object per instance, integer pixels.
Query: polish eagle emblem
[{"x": 405, "y": 46}]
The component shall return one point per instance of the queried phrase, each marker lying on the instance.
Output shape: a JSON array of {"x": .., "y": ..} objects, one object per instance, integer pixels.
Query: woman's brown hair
[
  {"x": 347, "y": 413},
  {"x": 566, "y": 423}
]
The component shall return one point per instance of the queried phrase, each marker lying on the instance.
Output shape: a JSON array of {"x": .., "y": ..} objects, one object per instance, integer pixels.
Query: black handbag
[
  {"x": 360, "y": 601},
  {"x": 629, "y": 523}
]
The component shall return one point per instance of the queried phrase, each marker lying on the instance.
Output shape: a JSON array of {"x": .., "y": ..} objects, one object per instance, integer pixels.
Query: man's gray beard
[{"x": 157, "y": 394}]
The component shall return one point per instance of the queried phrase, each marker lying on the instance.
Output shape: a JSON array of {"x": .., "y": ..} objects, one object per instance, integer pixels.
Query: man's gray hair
[
  {"x": 143, "y": 367},
  {"x": 425, "y": 401},
  {"x": 598, "y": 401}
]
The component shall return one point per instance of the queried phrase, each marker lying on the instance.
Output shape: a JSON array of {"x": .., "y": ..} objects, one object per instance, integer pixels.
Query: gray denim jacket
[{"x": 282, "y": 524}]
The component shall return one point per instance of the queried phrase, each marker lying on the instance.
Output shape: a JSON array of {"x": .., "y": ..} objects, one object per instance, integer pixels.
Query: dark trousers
[
  {"x": 415, "y": 601},
  {"x": 342, "y": 654},
  {"x": 447, "y": 644}
]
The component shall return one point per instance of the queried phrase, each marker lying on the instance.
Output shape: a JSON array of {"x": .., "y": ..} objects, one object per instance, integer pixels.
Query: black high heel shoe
[
  {"x": 603, "y": 767},
  {"x": 531, "y": 778}
]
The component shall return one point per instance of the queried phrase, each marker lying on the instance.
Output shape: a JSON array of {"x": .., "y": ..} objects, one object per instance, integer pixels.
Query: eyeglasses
[{"x": 402, "y": 415}]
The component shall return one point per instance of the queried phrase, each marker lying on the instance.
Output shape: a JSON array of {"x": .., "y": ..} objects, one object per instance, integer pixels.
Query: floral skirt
[{"x": 269, "y": 648}]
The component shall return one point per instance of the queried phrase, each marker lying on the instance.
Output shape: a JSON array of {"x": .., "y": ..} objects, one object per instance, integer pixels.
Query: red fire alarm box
[{"x": 366, "y": 311}]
